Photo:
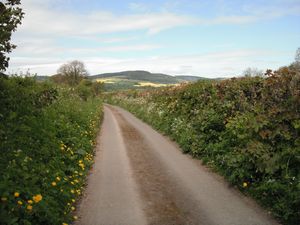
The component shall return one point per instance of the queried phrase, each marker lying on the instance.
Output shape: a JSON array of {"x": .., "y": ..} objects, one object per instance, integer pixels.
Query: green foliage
[
  {"x": 247, "y": 129},
  {"x": 47, "y": 138},
  {"x": 71, "y": 73},
  {"x": 84, "y": 89},
  {"x": 10, "y": 17},
  {"x": 87, "y": 89},
  {"x": 122, "y": 84},
  {"x": 97, "y": 88}
]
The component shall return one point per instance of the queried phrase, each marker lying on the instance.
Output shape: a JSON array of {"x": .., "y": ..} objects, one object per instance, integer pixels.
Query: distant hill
[
  {"x": 190, "y": 78},
  {"x": 42, "y": 78},
  {"x": 141, "y": 75},
  {"x": 135, "y": 79}
]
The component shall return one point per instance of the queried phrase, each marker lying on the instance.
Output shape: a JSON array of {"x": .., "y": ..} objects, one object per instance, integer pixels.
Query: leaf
[{"x": 81, "y": 152}]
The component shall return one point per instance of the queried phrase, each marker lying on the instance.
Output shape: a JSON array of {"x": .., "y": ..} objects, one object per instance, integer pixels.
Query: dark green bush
[
  {"x": 47, "y": 138},
  {"x": 247, "y": 129}
]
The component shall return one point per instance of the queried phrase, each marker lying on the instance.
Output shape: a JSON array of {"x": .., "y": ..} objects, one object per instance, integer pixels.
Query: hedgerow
[
  {"x": 47, "y": 137},
  {"x": 247, "y": 129}
]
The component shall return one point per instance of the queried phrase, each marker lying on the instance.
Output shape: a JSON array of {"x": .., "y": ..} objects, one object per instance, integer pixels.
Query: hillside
[
  {"x": 139, "y": 79},
  {"x": 135, "y": 80},
  {"x": 141, "y": 75},
  {"x": 189, "y": 78}
]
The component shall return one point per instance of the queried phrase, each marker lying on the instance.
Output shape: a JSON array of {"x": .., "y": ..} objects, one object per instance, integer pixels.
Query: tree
[
  {"x": 97, "y": 88},
  {"x": 296, "y": 64},
  {"x": 73, "y": 72},
  {"x": 10, "y": 17},
  {"x": 252, "y": 72},
  {"x": 84, "y": 89},
  {"x": 297, "y": 56}
]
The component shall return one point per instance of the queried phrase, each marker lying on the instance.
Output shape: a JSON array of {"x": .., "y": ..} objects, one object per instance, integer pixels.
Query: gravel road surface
[{"x": 141, "y": 177}]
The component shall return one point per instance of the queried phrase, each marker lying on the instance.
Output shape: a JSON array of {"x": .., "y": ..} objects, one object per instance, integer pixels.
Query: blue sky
[{"x": 197, "y": 37}]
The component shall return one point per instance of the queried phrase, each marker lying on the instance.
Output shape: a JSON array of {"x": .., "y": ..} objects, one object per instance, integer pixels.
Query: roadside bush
[
  {"x": 47, "y": 136},
  {"x": 84, "y": 89},
  {"x": 247, "y": 129}
]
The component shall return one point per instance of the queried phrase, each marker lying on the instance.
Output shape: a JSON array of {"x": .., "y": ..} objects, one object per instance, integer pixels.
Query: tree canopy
[
  {"x": 10, "y": 17},
  {"x": 72, "y": 72},
  {"x": 297, "y": 56},
  {"x": 252, "y": 72}
]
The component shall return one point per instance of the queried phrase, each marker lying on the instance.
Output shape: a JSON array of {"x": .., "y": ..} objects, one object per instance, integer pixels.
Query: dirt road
[{"x": 141, "y": 177}]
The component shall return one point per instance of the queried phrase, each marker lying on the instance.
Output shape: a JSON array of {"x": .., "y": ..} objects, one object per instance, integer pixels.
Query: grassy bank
[
  {"x": 47, "y": 136},
  {"x": 247, "y": 129}
]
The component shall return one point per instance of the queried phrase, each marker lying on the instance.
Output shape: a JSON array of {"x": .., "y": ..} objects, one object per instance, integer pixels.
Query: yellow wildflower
[
  {"x": 58, "y": 178},
  {"x": 20, "y": 202},
  {"x": 245, "y": 184},
  {"x": 72, "y": 191},
  {"x": 53, "y": 183},
  {"x": 64, "y": 224},
  {"x": 73, "y": 200},
  {"x": 30, "y": 201},
  {"x": 29, "y": 207},
  {"x": 37, "y": 198},
  {"x": 17, "y": 194},
  {"x": 75, "y": 217},
  {"x": 72, "y": 208}
]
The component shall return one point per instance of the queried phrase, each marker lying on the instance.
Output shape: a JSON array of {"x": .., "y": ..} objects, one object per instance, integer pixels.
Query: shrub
[
  {"x": 247, "y": 129},
  {"x": 47, "y": 136}
]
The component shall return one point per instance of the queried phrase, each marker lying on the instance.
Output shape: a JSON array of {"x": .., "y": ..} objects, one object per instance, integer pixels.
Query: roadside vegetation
[
  {"x": 47, "y": 137},
  {"x": 245, "y": 128}
]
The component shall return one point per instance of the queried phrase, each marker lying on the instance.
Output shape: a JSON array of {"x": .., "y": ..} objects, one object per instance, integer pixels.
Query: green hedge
[
  {"x": 247, "y": 129},
  {"x": 47, "y": 136}
]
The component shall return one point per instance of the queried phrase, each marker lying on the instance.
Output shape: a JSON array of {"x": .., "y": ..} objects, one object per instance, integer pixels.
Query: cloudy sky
[{"x": 198, "y": 37}]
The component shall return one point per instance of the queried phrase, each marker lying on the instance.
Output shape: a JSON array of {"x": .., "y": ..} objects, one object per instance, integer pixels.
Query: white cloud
[
  {"x": 117, "y": 39},
  {"x": 39, "y": 47},
  {"x": 39, "y": 19},
  {"x": 53, "y": 50},
  {"x": 214, "y": 64}
]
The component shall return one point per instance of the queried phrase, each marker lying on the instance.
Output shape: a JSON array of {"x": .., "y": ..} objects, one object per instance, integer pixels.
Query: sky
[{"x": 209, "y": 38}]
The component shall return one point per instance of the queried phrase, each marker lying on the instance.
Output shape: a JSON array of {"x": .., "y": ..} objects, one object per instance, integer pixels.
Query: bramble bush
[
  {"x": 47, "y": 137},
  {"x": 246, "y": 128}
]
